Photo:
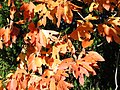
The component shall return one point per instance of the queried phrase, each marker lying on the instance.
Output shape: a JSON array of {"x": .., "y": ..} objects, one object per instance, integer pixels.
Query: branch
[
  {"x": 116, "y": 71},
  {"x": 81, "y": 16}
]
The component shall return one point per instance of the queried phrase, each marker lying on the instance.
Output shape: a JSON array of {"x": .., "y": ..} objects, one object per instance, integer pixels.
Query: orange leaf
[
  {"x": 65, "y": 63},
  {"x": 6, "y": 37},
  {"x": 1, "y": 44},
  {"x": 28, "y": 10},
  {"x": 76, "y": 71},
  {"x": 31, "y": 88},
  {"x": 9, "y": 2},
  {"x": 84, "y": 71},
  {"x": 59, "y": 14},
  {"x": 0, "y": 6},
  {"x": 31, "y": 63},
  {"x": 86, "y": 43},
  {"x": 86, "y": 65},
  {"x": 12, "y": 85},
  {"x": 2, "y": 30},
  {"x": 62, "y": 85},
  {"x": 82, "y": 31},
  {"x": 106, "y": 6},
  {"x": 52, "y": 84},
  {"x": 1, "y": 87},
  {"x": 93, "y": 57},
  {"x": 116, "y": 38}
]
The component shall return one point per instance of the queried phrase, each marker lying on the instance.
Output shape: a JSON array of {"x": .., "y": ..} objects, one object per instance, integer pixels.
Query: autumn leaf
[
  {"x": 32, "y": 27},
  {"x": 1, "y": 87},
  {"x": 90, "y": 17},
  {"x": 76, "y": 70},
  {"x": 6, "y": 37},
  {"x": 39, "y": 61},
  {"x": 81, "y": 79},
  {"x": 31, "y": 88},
  {"x": 1, "y": 44},
  {"x": 9, "y": 2},
  {"x": 86, "y": 65},
  {"x": 93, "y": 57},
  {"x": 28, "y": 10},
  {"x": 65, "y": 63},
  {"x": 42, "y": 38},
  {"x": 12, "y": 85},
  {"x": 93, "y": 6},
  {"x": 52, "y": 84},
  {"x": 82, "y": 32},
  {"x": 0, "y": 6},
  {"x": 31, "y": 63},
  {"x": 44, "y": 60},
  {"x": 62, "y": 85},
  {"x": 59, "y": 14},
  {"x": 14, "y": 33},
  {"x": 12, "y": 11},
  {"x": 86, "y": 43},
  {"x": 111, "y": 33}
]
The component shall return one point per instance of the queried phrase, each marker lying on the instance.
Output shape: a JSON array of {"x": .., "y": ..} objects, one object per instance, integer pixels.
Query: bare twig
[
  {"x": 116, "y": 70},
  {"x": 81, "y": 15}
]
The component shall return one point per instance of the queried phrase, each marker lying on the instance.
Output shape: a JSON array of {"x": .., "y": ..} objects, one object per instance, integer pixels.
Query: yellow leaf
[
  {"x": 93, "y": 6},
  {"x": 90, "y": 17},
  {"x": 55, "y": 53},
  {"x": 39, "y": 61}
]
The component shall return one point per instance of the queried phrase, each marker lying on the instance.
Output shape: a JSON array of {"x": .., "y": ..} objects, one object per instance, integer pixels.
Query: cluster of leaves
[{"x": 48, "y": 57}]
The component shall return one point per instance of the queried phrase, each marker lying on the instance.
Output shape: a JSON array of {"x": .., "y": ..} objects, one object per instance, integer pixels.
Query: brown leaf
[
  {"x": 12, "y": 11},
  {"x": 14, "y": 33}
]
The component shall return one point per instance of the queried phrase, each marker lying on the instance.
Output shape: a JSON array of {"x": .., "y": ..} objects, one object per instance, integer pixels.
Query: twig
[
  {"x": 116, "y": 71},
  {"x": 81, "y": 16}
]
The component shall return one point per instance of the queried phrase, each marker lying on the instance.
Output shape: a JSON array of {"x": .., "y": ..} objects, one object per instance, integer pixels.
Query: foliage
[{"x": 53, "y": 43}]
